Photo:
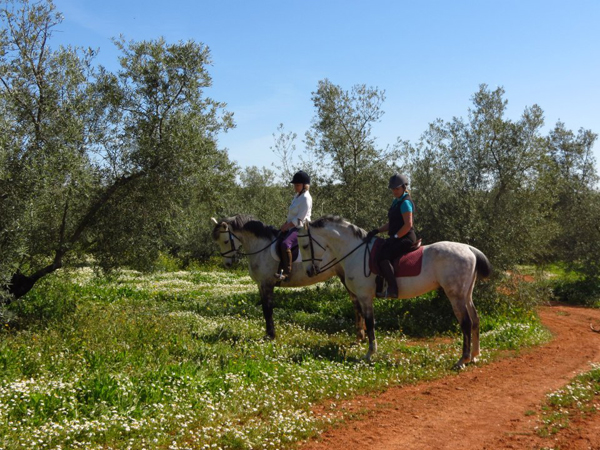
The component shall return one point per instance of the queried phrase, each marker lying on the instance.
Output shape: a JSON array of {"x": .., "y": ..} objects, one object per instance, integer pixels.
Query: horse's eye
[
  {"x": 226, "y": 242},
  {"x": 305, "y": 247}
]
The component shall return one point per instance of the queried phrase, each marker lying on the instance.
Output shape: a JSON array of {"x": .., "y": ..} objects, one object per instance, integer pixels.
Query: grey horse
[
  {"x": 256, "y": 239},
  {"x": 450, "y": 265}
]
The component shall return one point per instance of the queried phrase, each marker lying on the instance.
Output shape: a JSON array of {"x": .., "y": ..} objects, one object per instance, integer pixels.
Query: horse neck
[
  {"x": 251, "y": 242},
  {"x": 340, "y": 240}
]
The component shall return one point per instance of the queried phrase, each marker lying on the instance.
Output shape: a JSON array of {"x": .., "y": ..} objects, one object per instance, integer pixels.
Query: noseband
[
  {"x": 231, "y": 236},
  {"x": 236, "y": 250}
]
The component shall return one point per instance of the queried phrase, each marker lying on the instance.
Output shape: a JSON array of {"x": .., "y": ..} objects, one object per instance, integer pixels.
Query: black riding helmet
[
  {"x": 300, "y": 177},
  {"x": 398, "y": 180}
]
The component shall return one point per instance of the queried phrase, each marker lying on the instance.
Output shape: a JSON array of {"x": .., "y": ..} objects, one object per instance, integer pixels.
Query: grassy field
[
  {"x": 578, "y": 398},
  {"x": 177, "y": 359}
]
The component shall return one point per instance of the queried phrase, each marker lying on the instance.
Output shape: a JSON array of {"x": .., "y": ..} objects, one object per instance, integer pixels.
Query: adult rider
[
  {"x": 400, "y": 231},
  {"x": 298, "y": 214}
]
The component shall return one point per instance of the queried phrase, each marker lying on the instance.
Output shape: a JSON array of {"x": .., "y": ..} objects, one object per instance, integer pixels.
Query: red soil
[{"x": 496, "y": 406}]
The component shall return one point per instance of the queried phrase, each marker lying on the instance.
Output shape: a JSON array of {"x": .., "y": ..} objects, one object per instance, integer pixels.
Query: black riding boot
[
  {"x": 285, "y": 265},
  {"x": 388, "y": 273}
]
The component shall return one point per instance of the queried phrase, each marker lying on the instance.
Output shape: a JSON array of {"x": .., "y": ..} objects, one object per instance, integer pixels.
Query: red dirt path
[{"x": 489, "y": 407}]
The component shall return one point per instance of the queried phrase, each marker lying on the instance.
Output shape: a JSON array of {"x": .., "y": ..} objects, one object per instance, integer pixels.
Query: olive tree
[
  {"x": 354, "y": 171},
  {"x": 477, "y": 181},
  {"x": 572, "y": 181},
  {"x": 97, "y": 164},
  {"x": 47, "y": 123}
]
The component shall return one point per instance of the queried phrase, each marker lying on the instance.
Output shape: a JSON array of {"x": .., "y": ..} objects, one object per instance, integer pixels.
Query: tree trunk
[{"x": 20, "y": 284}]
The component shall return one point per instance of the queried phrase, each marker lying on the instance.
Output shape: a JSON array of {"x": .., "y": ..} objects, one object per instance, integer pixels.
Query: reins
[
  {"x": 329, "y": 265},
  {"x": 312, "y": 249},
  {"x": 334, "y": 261},
  {"x": 238, "y": 251}
]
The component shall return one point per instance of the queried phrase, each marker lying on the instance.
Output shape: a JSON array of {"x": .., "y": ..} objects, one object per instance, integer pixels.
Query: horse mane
[
  {"x": 246, "y": 222},
  {"x": 322, "y": 221}
]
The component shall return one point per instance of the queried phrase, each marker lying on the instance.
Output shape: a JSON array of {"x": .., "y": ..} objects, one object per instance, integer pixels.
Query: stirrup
[
  {"x": 385, "y": 292},
  {"x": 281, "y": 276}
]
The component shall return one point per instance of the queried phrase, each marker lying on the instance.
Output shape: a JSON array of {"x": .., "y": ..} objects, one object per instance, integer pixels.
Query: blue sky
[{"x": 429, "y": 57}]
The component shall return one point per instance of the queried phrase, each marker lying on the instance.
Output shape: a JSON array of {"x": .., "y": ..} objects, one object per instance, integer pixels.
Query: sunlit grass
[
  {"x": 579, "y": 397},
  {"x": 178, "y": 359}
]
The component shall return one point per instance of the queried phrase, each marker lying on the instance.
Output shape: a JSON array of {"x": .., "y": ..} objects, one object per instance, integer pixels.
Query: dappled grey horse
[
  {"x": 256, "y": 239},
  {"x": 450, "y": 265}
]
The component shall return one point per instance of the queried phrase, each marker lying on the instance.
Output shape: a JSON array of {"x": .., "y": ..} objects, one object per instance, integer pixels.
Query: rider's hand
[{"x": 371, "y": 234}]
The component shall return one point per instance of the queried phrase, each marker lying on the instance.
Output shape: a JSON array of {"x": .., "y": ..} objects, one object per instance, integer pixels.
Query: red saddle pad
[{"x": 408, "y": 265}]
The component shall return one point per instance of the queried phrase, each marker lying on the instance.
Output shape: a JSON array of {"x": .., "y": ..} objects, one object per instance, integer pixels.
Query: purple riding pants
[{"x": 290, "y": 239}]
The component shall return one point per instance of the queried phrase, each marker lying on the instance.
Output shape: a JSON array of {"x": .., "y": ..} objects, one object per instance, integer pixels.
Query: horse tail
[{"x": 483, "y": 266}]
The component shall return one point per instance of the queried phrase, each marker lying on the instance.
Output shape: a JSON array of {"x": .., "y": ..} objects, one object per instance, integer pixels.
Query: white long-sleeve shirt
[{"x": 300, "y": 209}]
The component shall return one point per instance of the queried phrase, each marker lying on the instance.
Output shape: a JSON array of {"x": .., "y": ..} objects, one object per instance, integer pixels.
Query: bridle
[
  {"x": 237, "y": 251},
  {"x": 231, "y": 236},
  {"x": 312, "y": 258},
  {"x": 334, "y": 261}
]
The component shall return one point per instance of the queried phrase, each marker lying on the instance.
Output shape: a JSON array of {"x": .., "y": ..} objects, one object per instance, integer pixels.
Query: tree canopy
[
  {"x": 98, "y": 164},
  {"x": 111, "y": 168}
]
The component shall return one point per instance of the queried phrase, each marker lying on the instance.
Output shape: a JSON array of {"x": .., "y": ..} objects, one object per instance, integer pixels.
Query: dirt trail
[{"x": 488, "y": 407}]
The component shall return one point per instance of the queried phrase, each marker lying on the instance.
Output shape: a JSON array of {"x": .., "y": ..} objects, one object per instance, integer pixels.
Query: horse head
[{"x": 228, "y": 243}]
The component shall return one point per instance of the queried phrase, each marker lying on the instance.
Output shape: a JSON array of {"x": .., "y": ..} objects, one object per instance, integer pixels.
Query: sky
[{"x": 428, "y": 56}]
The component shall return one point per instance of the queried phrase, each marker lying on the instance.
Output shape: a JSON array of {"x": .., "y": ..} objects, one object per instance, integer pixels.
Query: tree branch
[{"x": 87, "y": 219}]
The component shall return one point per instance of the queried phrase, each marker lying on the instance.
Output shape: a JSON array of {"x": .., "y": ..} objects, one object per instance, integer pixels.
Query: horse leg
[
  {"x": 359, "y": 320},
  {"x": 366, "y": 304},
  {"x": 475, "y": 350},
  {"x": 266, "y": 298},
  {"x": 462, "y": 314}
]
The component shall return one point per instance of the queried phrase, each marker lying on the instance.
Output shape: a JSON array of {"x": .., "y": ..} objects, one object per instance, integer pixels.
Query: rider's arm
[
  {"x": 286, "y": 226},
  {"x": 299, "y": 212},
  {"x": 384, "y": 228}
]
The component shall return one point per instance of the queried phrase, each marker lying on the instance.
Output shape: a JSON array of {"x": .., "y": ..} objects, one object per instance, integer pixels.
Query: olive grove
[
  {"x": 112, "y": 168},
  {"x": 98, "y": 165}
]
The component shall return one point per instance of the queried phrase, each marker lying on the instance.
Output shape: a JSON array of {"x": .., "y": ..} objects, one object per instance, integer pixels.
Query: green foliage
[
  {"x": 99, "y": 163},
  {"x": 574, "y": 399},
  {"x": 501, "y": 186},
  {"x": 571, "y": 170},
  {"x": 350, "y": 171},
  {"x": 259, "y": 195},
  {"x": 584, "y": 292},
  {"x": 48, "y": 115},
  {"x": 148, "y": 360},
  {"x": 475, "y": 181}
]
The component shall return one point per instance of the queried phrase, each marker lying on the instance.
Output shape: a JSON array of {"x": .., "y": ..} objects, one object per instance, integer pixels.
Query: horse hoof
[
  {"x": 458, "y": 366},
  {"x": 461, "y": 364}
]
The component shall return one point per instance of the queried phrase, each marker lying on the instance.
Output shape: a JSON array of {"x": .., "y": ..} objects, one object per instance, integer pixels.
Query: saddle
[
  {"x": 276, "y": 252},
  {"x": 407, "y": 265}
]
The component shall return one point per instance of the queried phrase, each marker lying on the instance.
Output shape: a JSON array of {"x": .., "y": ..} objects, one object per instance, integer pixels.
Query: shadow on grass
[{"x": 328, "y": 351}]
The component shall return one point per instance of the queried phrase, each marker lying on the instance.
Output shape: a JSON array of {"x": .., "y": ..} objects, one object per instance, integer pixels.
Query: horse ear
[
  {"x": 214, "y": 221},
  {"x": 224, "y": 226}
]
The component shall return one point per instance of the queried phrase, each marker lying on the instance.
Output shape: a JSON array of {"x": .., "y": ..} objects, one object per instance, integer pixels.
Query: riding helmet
[
  {"x": 300, "y": 177},
  {"x": 397, "y": 180}
]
